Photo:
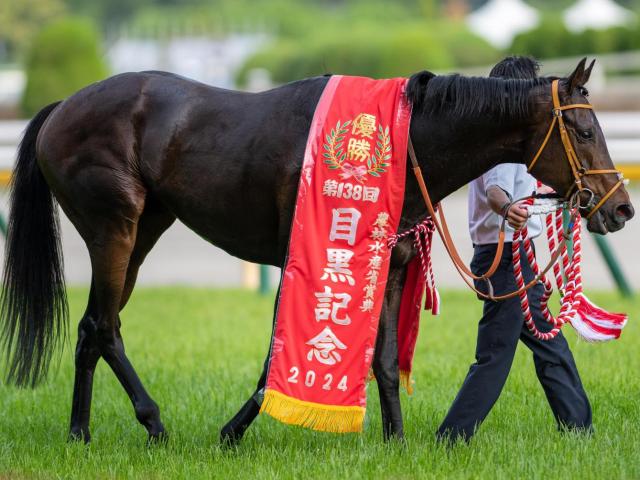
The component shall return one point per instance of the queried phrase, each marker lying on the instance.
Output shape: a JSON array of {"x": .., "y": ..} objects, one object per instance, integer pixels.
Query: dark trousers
[{"x": 499, "y": 329}]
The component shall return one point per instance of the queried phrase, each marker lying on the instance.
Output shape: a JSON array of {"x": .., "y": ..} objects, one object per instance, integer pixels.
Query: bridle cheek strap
[{"x": 577, "y": 168}]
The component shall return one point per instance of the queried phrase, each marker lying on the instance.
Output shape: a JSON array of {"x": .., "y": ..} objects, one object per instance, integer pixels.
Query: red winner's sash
[{"x": 349, "y": 202}]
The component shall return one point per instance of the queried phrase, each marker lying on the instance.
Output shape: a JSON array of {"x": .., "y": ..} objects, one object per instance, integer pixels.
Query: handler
[{"x": 502, "y": 323}]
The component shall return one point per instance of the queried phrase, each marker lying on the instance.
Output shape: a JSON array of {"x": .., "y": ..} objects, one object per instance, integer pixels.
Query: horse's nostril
[{"x": 625, "y": 212}]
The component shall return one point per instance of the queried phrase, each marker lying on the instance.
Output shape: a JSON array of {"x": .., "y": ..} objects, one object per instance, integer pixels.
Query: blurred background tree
[
  {"x": 64, "y": 57},
  {"x": 20, "y": 20},
  {"x": 552, "y": 39},
  {"x": 373, "y": 50}
]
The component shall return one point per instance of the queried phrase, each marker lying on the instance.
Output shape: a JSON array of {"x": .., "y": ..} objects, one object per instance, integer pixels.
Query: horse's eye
[
  {"x": 584, "y": 91},
  {"x": 586, "y": 134}
]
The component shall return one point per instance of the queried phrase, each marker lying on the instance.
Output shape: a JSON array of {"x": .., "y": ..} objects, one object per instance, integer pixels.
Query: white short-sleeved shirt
[{"x": 484, "y": 223}]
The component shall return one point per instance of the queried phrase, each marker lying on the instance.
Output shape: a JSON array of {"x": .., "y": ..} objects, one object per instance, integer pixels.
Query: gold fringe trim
[
  {"x": 325, "y": 418},
  {"x": 406, "y": 381},
  {"x": 371, "y": 376}
]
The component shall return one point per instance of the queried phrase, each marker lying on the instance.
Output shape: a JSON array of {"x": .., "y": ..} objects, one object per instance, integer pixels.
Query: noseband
[{"x": 577, "y": 168}]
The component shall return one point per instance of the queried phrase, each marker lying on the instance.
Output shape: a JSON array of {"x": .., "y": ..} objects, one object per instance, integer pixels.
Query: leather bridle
[
  {"x": 577, "y": 168},
  {"x": 573, "y": 197}
]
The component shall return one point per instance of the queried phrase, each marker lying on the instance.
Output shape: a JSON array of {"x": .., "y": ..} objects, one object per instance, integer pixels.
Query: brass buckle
[{"x": 556, "y": 112}]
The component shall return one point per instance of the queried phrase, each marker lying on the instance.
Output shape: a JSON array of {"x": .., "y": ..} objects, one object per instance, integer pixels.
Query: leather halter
[
  {"x": 577, "y": 168},
  {"x": 578, "y": 172}
]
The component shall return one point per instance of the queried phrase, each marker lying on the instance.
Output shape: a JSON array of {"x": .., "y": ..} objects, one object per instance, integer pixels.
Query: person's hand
[{"x": 517, "y": 216}]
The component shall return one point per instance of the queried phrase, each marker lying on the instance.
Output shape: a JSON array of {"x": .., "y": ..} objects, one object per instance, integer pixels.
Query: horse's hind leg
[
  {"x": 110, "y": 246},
  {"x": 152, "y": 223},
  {"x": 86, "y": 359}
]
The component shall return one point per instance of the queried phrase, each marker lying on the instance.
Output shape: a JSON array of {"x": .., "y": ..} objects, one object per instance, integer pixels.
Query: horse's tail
[{"x": 33, "y": 303}]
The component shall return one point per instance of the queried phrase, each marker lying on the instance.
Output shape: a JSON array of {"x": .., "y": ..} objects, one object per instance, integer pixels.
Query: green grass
[{"x": 199, "y": 353}]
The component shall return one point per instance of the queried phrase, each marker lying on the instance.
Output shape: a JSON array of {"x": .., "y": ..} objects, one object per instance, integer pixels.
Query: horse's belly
[
  {"x": 240, "y": 220},
  {"x": 257, "y": 245}
]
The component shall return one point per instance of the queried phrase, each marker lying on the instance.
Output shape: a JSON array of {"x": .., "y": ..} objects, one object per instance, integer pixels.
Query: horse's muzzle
[
  {"x": 624, "y": 212},
  {"x": 610, "y": 220}
]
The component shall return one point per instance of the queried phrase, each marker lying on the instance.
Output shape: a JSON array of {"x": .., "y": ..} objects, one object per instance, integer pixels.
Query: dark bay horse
[{"x": 127, "y": 156}]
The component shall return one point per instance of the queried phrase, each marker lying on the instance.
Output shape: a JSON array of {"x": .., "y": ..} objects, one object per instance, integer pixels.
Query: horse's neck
[{"x": 451, "y": 156}]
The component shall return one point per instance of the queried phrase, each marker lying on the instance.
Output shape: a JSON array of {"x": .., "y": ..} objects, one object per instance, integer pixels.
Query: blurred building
[
  {"x": 499, "y": 21},
  {"x": 597, "y": 14},
  {"x": 214, "y": 61}
]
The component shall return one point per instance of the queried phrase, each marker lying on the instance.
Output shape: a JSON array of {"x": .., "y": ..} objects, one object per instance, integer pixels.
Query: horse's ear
[
  {"x": 577, "y": 77},
  {"x": 587, "y": 72}
]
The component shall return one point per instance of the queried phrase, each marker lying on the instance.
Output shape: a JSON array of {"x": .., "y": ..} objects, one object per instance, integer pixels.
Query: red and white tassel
[
  {"x": 435, "y": 301},
  {"x": 592, "y": 323}
]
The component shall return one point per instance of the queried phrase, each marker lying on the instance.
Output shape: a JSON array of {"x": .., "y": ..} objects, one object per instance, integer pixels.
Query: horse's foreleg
[
  {"x": 234, "y": 430},
  {"x": 385, "y": 362}
]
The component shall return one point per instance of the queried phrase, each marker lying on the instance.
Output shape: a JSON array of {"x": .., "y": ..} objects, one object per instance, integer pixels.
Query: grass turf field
[{"x": 200, "y": 352}]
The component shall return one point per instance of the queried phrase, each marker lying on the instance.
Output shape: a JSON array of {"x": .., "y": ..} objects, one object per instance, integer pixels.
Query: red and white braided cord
[
  {"x": 569, "y": 289},
  {"x": 422, "y": 236}
]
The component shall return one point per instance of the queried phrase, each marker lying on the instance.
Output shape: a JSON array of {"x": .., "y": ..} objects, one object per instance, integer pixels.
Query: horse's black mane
[{"x": 471, "y": 97}]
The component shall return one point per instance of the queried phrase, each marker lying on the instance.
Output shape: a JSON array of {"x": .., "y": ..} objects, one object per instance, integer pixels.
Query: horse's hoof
[
  {"x": 229, "y": 438},
  {"x": 160, "y": 437},
  {"x": 401, "y": 442},
  {"x": 79, "y": 435},
  {"x": 396, "y": 439}
]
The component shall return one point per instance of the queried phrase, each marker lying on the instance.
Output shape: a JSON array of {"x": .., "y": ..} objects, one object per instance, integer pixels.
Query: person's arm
[{"x": 499, "y": 182}]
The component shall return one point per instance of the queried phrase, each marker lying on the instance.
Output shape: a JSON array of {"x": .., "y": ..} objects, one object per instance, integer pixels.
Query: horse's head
[{"x": 579, "y": 165}]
